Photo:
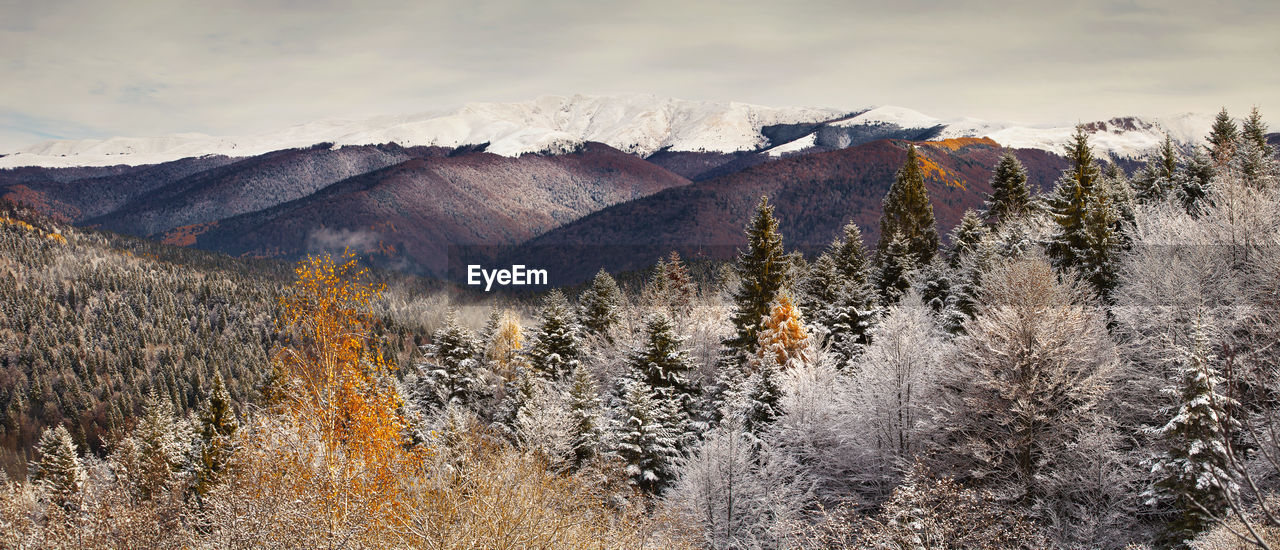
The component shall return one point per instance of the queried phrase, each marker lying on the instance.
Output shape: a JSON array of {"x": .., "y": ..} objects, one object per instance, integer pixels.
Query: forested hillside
[{"x": 1088, "y": 365}]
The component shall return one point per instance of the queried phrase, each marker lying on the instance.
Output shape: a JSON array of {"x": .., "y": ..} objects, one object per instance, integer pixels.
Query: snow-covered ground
[{"x": 639, "y": 124}]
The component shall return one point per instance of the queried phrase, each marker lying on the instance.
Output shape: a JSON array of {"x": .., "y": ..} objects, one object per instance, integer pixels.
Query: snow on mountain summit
[{"x": 637, "y": 124}]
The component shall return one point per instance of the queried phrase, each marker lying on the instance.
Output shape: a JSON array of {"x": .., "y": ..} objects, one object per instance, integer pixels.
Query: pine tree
[
  {"x": 784, "y": 335},
  {"x": 555, "y": 350},
  {"x": 450, "y": 373},
  {"x": 1254, "y": 130},
  {"x": 57, "y": 467},
  {"x": 893, "y": 273},
  {"x": 162, "y": 448},
  {"x": 600, "y": 305},
  {"x": 1223, "y": 139},
  {"x": 907, "y": 214},
  {"x": 680, "y": 291},
  {"x": 763, "y": 395},
  {"x": 1195, "y": 182},
  {"x": 1010, "y": 197},
  {"x": 1194, "y": 472},
  {"x": 586, "y": 412},
  {"x": 646, "y": 442},
  {"x": 662, "y": 362},
  {"x": 1159, "y": 177},
  {"x": 965, "y": 237},
  {"x": 761, "y": 271},
  {"x": 1085, "y": 235},
  {"x": 217, "y": 426}
]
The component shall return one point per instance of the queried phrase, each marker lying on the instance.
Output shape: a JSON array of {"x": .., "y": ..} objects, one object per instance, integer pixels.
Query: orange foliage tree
[
  {"x": 784, "y": 334},
  {"x": 332, "y": 384}
]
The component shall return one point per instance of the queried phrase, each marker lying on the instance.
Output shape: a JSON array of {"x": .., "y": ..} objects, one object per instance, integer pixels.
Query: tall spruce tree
[
  {"x": 893, "y": 274},
  {"x": 586, "y": 415},
  {"x": 646, "y": 441},
  {"x": 907, "y": 214},
  {"x": 839, "y": 298},
  {"x": 1010, "y": 197},
  {"x": 1194, "y": 184},
  {"x": 555, "y": 350},
  {"x": 1084, "y": 238},
  {"x": 600, "y": 305},
  {"x": 662, "y": 362},
  {"x": 965, "y": 237},
  {"x": 217, "y": 426},
  {"x": 450, "y": 372},
  {"x": 1160, "y": 175},
  {"x": 1254, "y": 130},
  {"x": 761, "y": 271},
  {"x": 1193, "y": 473},
  {"x": 1223, "y": 138},
  {"x": 57, "y": 467}
]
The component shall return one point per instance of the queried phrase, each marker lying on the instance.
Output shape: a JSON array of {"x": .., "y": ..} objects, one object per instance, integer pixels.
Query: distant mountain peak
[{"x": 640, "y": 124}]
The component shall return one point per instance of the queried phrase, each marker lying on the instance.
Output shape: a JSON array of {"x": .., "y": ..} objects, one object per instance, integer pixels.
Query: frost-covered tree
[
  {"x": 586, "y": 413},
  {"x": 555, "y": 349},
  {"x": 761, "y": 270},
  {"x": 897, "y": 381},
  {"x": 646, "y": 442},
  {"x": 895, "y": 267},
  {"x": 600, "y": 305},
  {"x": 736, "y": 494},
  {"x": 57, "y": 466},
  {"x": 784, "y": 334},
  {"x": 1030, "y": 371},
  {"x": 927, "y": 511},
  {"x": 763, "y": 394},
  {"x": 217, "y": 426},
  {"x": 160, "y": 449},
  {"x": 672, "y": 287},
  {"x": 450, "y": 372},
  {"x": 965, "y": 237},
  {"x": 545, "y": 423},
  {"x": 1223, "y": 138},
  {"x": 1010, "y": 197},
  {"x": 839, "y": 298},
  {"x": 1194, "y": 472},
  {"x": 1086, "y": 238},
  {"x": 663, "y": 364},
  {"x": 1159, "y": 177}
]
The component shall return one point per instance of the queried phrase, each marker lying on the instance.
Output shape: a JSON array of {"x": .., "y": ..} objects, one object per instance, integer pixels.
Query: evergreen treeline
[{"x": 1092, "y": 367}]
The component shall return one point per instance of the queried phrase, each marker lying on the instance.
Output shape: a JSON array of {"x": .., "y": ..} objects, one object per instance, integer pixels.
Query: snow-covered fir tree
[
  {"x": 450, "y": 372},
  {"x": 57, "y": 467},
  {"x": 895, "y": 267},
  {"x": 838, "y": 297},
  {"x": 761, "y": 271},
  {"x": 555, "y": 350},
  {"x": 586, "y": 414},
  {"x": 217, "y": 426},
  {"x": 646, "y": 442},
  {"x": 600, "y": 305},
  {"x": 1010, "y": 197},
  {"x": 663, "y": 363},
  {"x": 907, "y": 214},
  {"x": 1193, "y": 473}
]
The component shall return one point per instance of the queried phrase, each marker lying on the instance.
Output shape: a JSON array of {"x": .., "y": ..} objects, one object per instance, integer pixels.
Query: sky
[{"x": 90, "y": 69}]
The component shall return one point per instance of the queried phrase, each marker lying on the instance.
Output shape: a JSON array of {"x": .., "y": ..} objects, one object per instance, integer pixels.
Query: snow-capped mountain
[{"x": 637, "y": 124}]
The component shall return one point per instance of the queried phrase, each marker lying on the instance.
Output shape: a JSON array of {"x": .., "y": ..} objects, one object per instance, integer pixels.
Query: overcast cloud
[{"x": 74, "y": 69}]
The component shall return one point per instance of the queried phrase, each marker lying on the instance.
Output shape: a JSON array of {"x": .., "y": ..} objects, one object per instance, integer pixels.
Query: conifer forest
[{"x": 1094, "y": 364}]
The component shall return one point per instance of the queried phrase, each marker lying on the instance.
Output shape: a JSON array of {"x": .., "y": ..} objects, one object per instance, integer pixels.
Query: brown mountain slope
[
  {"x": 407, "y": 215},
  {"x": 813, "y": 195}
]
